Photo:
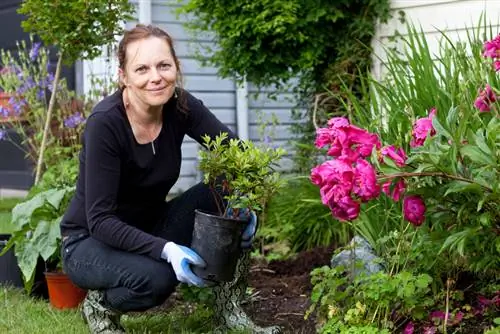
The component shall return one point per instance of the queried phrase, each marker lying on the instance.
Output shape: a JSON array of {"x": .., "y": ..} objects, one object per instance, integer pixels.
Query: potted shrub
[
  {"x": 242, "y": 178},
  {"x": 36, "y": 234}
]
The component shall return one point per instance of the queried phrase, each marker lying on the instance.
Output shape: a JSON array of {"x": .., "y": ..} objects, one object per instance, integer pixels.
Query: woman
[{"x": 121, "y": 240}]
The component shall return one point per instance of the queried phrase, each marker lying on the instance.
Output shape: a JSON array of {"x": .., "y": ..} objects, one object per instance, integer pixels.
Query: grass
[
  {"x": 6, "y": 205},
  {"x": 21, "y": 314}
]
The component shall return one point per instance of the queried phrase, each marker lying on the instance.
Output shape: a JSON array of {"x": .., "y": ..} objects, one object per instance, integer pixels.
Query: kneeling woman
[{"x": 121, "y": 240}]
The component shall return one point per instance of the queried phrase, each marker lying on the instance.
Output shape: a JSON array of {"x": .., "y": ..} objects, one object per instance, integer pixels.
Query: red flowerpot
[{"x": 62, "y": 292}]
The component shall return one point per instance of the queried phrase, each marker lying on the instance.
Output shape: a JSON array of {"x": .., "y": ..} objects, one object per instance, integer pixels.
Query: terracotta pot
[{"x": 62, "y": 292}]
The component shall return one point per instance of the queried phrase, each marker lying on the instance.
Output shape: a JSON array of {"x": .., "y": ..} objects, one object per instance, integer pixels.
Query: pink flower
[
  {"x": 429, "y": 330},
  {"x": 409, "y": 328},
  {"x": 397, "y": 155},
  {"x": 365, "y": 181},
  {"x": 414, "y": 210},
  {"x": 334, "y": 177},
  {"x": 491, "y": 48},
  {"x": 496, "y": 65},
  {"x": 363, "y": 140},
  {"x": 485, "y": 99},
  {"x": 423, "y": 128},
  {"x": 397, "y": 191},
  {"x": 322, "y": 137},
  {"x": 338, "y": 122},
  {"x": 345, "y": 208},
  {"x": 346, "y": 140}
]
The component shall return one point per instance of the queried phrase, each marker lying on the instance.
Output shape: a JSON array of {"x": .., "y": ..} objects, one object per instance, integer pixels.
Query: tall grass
[{"x": 296, "y": 215}]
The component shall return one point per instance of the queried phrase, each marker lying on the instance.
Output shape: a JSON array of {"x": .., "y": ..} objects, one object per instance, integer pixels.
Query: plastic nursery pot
[
  {"x": 217, "y": 240},
  {"x": 10, "y": 275},
  {"x": 62, "y": 292}
]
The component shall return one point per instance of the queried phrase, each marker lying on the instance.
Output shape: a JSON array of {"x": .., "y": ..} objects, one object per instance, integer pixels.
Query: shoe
[
  {"x": 228, "y": 314},
  {"x": 101, "y": 320}
]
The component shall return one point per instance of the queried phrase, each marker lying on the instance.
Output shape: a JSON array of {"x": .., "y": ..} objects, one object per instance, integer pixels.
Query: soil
[{"x": 282, "y": 289}]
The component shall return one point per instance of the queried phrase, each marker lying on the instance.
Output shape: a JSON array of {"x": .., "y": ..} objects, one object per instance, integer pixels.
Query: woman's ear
[{"x": 122, "y": 77}]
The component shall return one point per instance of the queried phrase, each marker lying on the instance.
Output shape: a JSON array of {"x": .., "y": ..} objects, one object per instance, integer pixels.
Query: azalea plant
[
  {"x": 418, "y": 162},
  {"x": 240, "y": 174}
]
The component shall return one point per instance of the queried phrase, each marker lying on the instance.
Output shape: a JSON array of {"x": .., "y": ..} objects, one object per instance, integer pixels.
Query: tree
[{"x": 78, "y": 28}]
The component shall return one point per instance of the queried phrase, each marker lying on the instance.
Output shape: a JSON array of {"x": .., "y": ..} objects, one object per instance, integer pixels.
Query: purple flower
[
  {"x": 49, "y": 80},
  {"x": 35, "y": 50},
  {"x": 4, "y": 112},
  {"x": 40, "y": 94},
  {"x": 28, "y": 84},
  {"x": 17, "y": 104},
  {"x": 3, "y": 135},
  {"x": 74, "y": 120}
]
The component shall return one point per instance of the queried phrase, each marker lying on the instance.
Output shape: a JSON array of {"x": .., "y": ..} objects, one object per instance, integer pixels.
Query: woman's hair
[{"x": 141, "y": 31}]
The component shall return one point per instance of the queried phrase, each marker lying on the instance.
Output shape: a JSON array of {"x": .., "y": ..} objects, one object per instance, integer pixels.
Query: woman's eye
[
  {"x": 165, "y": 66},
  {"x": 141, "y": 69}
]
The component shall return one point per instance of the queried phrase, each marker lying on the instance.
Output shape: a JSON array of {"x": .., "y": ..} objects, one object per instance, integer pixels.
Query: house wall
[
  {"x": 454, "y": 17},
  {"x": 221, "y": 96}
]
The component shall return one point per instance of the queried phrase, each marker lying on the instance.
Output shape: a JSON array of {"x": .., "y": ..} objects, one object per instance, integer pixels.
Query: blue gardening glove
[
  {"x": 181, "y": 257},
  {"x": 249, "y": 232}
]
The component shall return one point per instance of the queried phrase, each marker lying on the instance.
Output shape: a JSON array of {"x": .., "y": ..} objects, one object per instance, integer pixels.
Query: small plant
[
  {"x": 240, "y": 175},
  {"x": 36, "y": 232},
  {"x": 380, "y": 300}
]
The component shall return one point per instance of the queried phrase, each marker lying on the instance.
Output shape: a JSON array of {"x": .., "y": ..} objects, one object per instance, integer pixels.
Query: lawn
[
  {"x": 21, "y": 314},
  {"x": 6, "y": 205}
]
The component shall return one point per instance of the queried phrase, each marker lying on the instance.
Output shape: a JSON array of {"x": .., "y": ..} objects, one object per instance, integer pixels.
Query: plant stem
[
  {"x": 48, "y": 118},
  {"x": 441, "y": 174}
]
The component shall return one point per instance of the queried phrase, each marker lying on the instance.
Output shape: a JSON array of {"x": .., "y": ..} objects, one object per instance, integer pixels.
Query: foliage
[
  {"x": 246, "y": 171},
  {"x": 79, "y": 28},
  {"x": 318, "y": 43},
  {"x": 36, "y": 230},
  {"x": 452, "y": 166},
  {"x": 296, "y": 215},
  {"x": 364, "y": 301}
]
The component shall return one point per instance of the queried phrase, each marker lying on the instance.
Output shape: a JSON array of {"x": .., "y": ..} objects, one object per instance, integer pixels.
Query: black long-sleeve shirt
[{"x": 122, "y": 185}]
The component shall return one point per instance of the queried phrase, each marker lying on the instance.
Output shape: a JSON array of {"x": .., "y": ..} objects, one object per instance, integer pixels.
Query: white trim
[
  {"x": 242, "y": 110},
  {"x": 145, "y": 11}
]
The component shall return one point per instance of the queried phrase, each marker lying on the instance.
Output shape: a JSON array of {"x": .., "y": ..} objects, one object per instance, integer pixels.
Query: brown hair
[{"x": 141, "y": 31}]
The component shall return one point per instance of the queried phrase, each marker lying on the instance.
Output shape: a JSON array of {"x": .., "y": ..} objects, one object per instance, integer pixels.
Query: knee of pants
[{"x": 161, "y": 286}]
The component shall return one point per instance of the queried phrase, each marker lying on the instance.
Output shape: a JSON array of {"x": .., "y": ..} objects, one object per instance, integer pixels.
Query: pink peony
[
  {"x": 345, "y": 208},
  {"x": 397, "y": 155},
  {"x": 338, "y": 122},
  {"x": 346, "y": 140},
  {"x": 397, "y": 191},
  {"x": 409, "y": 328},
  {"x": 491, "y": 48},
  {"x": 322, "y": 137},
  {"x": 496, "y": 65},
  {"x": 485, "y": 99},
  {"x": 423, "y": 128},
  {"x": 363, "y": 140},
  {"x": 334, "y": 177},
  {"x": 365, "y": 181},
  {"x": 414, "y": 210}
]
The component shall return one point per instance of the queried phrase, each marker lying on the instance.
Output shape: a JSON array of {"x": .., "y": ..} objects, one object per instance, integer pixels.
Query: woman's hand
[{"x": 181, "y": 258}]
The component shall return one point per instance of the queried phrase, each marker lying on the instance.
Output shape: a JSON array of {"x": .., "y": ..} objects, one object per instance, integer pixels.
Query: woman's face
[{"x": 150, "y": 71}]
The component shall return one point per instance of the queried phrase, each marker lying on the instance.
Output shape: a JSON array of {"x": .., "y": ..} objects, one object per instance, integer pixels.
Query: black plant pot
[
  {"x": 217, "y": 240},
  {"x": 10, "y": 275}
]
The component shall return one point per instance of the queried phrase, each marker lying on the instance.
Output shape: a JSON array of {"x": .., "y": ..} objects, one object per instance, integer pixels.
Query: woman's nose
[{"x": 155, "y": 75}]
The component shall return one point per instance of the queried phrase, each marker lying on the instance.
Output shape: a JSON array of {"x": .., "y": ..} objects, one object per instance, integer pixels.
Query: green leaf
[
  {"x": 462, "y": 187},
  {"x": 476, "y": 155}
]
